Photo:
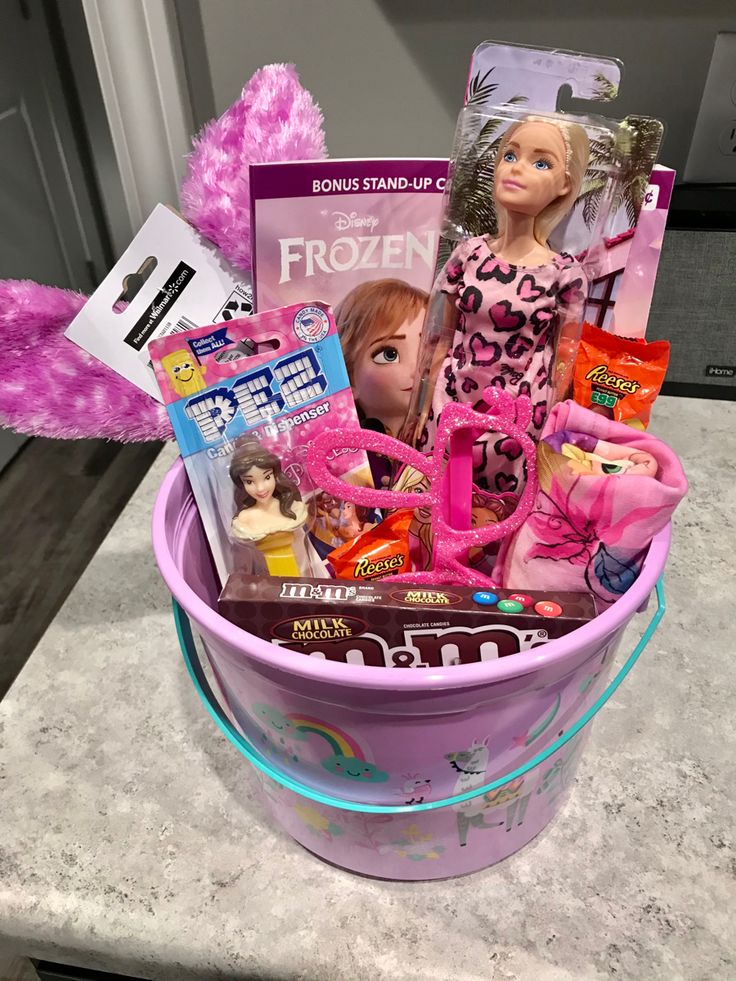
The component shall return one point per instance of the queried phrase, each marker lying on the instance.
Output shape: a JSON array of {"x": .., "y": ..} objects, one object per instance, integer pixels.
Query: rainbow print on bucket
[{"x": 346, "y": 759}]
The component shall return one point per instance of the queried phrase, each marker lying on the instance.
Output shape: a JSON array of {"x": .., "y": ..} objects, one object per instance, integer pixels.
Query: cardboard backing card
[{"x": 168, "y": 280}]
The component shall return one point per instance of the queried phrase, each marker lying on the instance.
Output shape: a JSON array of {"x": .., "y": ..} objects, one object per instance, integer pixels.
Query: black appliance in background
[{"x": 694, "y": 303}]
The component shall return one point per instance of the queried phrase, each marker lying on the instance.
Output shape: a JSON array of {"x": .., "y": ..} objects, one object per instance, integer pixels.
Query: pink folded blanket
[{"x": 605, "y": 490}]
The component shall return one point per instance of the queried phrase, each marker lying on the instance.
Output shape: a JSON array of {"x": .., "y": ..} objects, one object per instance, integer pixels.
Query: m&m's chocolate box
[{"x": 397, "y": 625}]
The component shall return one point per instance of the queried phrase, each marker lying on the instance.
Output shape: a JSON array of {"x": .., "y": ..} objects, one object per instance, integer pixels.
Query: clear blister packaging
[
  {"x": 533, "y": 196},
  {"x": 507, "y": 305},
  {"x": 246, "y": 399}
]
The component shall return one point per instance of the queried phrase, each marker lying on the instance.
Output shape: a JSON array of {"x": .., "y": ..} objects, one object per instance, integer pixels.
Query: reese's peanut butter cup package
[
  {"x": 618, "y": 377},
  {"x": 380, "y": 551}
]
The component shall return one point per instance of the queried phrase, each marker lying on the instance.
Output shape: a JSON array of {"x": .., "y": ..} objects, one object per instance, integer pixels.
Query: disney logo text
[{"x": 354, "y": 220}]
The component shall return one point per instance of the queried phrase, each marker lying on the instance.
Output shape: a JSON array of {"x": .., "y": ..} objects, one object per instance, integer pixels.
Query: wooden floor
[{"x": 58, "y": 500}]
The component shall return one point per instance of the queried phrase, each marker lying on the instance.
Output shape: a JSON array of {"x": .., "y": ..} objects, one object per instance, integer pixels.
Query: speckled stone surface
[{"x": 133, "y": 837}]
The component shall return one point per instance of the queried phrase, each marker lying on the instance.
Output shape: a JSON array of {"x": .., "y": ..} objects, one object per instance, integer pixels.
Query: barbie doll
[
  {"x": 506, "y": 297},
  {"x": 270, "y": 508}
]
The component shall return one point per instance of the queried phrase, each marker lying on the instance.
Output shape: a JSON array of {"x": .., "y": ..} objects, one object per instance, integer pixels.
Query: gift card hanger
[{"x": 133, "y": 283}]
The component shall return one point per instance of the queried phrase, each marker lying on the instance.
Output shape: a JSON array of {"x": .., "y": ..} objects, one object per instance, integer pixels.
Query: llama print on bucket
[
  {"x": 471, "y": 765},
  {"x": 511, "y": 797}
]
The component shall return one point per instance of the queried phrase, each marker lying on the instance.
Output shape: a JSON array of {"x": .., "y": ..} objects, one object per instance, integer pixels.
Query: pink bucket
[{"x": 400, "y": 774}]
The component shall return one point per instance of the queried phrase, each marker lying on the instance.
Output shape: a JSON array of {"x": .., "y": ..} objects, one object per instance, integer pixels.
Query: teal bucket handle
[{"x": 205, "y": 692}]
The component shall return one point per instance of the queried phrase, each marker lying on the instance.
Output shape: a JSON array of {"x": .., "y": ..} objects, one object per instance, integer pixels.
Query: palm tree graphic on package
[{"x": 470, "y": 208}]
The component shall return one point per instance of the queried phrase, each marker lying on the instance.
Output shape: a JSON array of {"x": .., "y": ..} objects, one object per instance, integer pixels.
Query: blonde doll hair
[{"x": 577, "y": 154}]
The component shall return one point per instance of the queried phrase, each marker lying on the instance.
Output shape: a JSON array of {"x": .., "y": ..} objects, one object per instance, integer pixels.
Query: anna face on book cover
[{"x": 379, "y": 324}]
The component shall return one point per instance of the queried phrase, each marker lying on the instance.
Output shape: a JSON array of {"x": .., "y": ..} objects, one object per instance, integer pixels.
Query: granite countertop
[{"x": 134, "y": 840}]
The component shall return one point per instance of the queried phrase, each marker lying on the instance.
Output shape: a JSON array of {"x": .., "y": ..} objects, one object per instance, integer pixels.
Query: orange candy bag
[
  {"x": 618, "y": 377},
  {"x": 378, "y": 552}
]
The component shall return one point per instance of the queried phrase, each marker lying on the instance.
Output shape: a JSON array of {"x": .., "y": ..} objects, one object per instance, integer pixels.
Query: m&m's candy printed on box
[{"x": 397, "y": 625}]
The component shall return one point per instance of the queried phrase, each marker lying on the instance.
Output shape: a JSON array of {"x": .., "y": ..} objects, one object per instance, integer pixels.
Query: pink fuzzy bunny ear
[
  {"x": 274, "y": 119},
  {"x": 51, "y": 387}
]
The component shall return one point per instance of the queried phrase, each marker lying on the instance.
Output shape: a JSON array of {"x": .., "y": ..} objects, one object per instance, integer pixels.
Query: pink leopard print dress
[{"x": 509, "y": 319}]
